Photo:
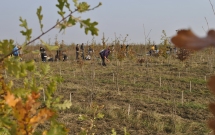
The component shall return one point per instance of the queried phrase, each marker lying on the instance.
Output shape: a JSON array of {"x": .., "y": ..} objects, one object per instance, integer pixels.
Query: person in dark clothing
[
  {"x": 156, "y": 48},
  {"x": 90, "y": 51},
  {"x": 57, "y": 56},
  {"x": 104, "y": 55},
  {"x": 65, "y": 58},
  {"x": 82, "y": 51},
  {"x": 43, "y": 54},
  {"x": 127, "y": 47},
  {"x": 77, "y": 51},
  {"x": 58, "y": 53},
  {"x": 127, "y": 50}
]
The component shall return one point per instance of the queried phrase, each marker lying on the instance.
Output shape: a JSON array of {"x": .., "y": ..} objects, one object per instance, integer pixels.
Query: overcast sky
[{"x": 118, "y": 17}]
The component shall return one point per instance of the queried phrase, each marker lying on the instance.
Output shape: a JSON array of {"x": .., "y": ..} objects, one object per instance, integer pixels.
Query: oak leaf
[
  {"x": 20, "y": 111},
  {"x": 186, "y": 39},
  {"x": 42, "y": 116},
  {"x": 11, "y": 100},
  {"x": 31, "y": 102}
]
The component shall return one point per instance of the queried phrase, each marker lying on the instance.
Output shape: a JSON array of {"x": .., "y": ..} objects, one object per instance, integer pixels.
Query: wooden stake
[
  {"x": 118, "y": 91},
  {"x": 44, "y": 96},
  {"x": 70, "y": 97},
  {"x": 182, "y": 97},
  {"x": 190, "y": 86},
  {"x": 179, "y": 74},
  {"x": 129, "y": 109},
  {"x": 160, "y": 81},
  {"x": 94, "y": 74},
  {"x": 5, "y": 73},
  {"x": 113, "y": 77}
]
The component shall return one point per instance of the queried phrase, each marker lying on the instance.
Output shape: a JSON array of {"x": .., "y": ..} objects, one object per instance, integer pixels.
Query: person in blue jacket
[
  {"x": 16, "y": 51},
  {"x": 104, "y": 55}
]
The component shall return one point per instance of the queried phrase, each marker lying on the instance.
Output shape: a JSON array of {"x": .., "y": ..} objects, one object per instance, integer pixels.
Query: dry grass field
[{"x": 157, "y": 97}]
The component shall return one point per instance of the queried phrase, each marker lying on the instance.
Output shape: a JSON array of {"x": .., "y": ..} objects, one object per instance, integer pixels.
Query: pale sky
[{"x": 118, "y": 17}]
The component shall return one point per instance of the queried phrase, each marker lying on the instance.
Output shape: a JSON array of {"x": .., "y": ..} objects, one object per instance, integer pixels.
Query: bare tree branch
[
  {"x": 212, "y": 7},
  {"x": 207, "y": 22}
]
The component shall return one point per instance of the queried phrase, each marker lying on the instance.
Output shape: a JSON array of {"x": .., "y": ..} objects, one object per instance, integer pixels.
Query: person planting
[{"x": 104, "y": 55}]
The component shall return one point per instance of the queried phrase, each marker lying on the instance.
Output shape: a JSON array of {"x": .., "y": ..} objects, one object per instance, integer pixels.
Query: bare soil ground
[
  {"x": 163, "y": 96},
  {"x": 158, "y": 97}
]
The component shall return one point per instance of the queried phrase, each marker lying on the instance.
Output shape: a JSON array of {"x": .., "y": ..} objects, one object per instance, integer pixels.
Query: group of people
[
  {"x": 154, "y": 50},
  {"x": 103, "y": 53},
  {"x": 80, "y": 50},
  {"x": 61, "y": 54}
]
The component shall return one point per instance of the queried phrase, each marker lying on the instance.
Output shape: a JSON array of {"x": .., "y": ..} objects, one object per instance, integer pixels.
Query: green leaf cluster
[
  {"x": 163, "y": 48},
  {"x": 6, "y": 47},
  {"x": 60, "y": 6},
  {"x": 78, "y": 5},
  {"x": 100, "y": 116},
  {"x": 57, "y": 129},
  {"x": 27, "y": 33},
  {"x": 49, "y": 47},
  {"x": 83, "y": 7},
  {"x": 7, "y": 127},
  {"x": 71, "y": 21},
  {"x": 65, "y": 105},
  {"x": 114, "y": 132},
  {"x": 89, "y": 26},
  {"x": 17, "y": 68},
  {"x": 40, "y": 17}
]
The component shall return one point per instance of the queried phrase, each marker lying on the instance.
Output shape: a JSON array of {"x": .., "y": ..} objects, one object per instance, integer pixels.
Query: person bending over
[{"x": 104, "y": 55}]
